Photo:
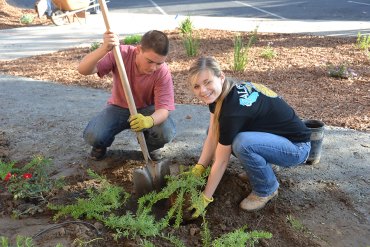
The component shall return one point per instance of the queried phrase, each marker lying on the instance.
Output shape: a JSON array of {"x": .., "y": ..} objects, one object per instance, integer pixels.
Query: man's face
[{"x": 148, "y": 61}]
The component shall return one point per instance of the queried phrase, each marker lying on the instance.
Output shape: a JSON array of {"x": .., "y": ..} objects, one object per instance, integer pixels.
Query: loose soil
[{"x": 299, "y": 73}]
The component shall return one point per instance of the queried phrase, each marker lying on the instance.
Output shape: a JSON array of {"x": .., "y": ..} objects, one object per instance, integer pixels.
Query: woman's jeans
[
  {"x": 258, "y": 150},
  {"x": 102, "y": 129}
]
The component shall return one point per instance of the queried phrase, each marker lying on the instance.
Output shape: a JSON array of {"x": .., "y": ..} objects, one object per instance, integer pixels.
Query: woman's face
[{"x": 207, "y": 87}]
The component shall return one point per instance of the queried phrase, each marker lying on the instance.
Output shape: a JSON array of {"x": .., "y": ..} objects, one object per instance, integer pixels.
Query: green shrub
[
  {"x": 241, "y": 51},
  {"x": 32, "y": 181},
  {"x": 363, "y": 42},
  {"x": 21, "y": 241},
  {"x": 186, "y": 26},
  {"x": 295, "y": 223},
  {"x": 237, "y": 238},
  {"x": 132, "y": 39},
  {"x": 94, "y": 46},
  {"x": 27, "y": 18},
  {"x": 341, "y": 71},
  {"x": 100, "y": 200},
  {"x": 191, "y": 44},
  {"x": 268, "y": 52}
]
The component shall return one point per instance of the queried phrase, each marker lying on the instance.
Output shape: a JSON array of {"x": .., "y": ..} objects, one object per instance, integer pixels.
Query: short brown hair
[{"x": 157, "y": 41}]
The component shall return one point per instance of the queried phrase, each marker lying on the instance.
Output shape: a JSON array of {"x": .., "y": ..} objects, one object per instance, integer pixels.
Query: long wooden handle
[{"x": 124, "y": 81}]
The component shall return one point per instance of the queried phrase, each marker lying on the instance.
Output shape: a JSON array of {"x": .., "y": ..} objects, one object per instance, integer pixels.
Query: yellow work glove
[
  {"x": 138, "y": 122},
  {"x": 198, "y": 170},
  {"x": 200, "y": 205}
]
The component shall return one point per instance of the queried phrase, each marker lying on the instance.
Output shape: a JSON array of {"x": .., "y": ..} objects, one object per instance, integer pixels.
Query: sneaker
[
  {"x": 254, "y": 202},
  {"x": 98, "y": 153}
]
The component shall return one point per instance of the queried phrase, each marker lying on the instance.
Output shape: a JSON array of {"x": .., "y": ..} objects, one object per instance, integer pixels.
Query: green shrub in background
[
  {"x": 132, "y": 39},
  {"x": 191, "y": 44},
  {"x": 94, "y": 46},
  {"x": 363, "y": 42},
  {"x": 241, "y": 51},
  {"x": 27, "y": 18},
  {"x": 186, "y": 26},
  {"x": 341, "y": 71},
  {"x": 268, "y": 52}
]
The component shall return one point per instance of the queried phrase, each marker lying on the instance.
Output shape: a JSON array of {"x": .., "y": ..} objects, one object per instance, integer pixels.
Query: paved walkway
[{"x": 29, "y": 41}]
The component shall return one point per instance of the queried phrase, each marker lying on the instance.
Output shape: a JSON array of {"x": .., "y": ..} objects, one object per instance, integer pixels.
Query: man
[{"x": 151, "y": 85}]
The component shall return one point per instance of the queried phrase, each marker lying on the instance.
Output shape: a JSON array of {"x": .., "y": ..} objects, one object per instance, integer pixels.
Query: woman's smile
[{"x": 207, "y": 86}]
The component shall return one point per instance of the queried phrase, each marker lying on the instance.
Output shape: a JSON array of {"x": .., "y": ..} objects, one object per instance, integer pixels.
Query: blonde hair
[{"x": 210, "y": 64}]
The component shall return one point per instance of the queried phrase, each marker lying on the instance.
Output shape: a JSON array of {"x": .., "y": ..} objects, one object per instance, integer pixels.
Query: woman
[{"x": 252, "y": 122}]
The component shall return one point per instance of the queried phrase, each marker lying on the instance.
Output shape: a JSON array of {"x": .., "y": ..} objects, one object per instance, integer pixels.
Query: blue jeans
[
  {"x": 258, "y": 150},
  {"x": 102, "y": 129}
]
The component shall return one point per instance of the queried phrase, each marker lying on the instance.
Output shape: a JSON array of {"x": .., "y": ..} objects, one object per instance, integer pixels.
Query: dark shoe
[
  {"x": 98, "y": 153},
  {"x": 156, "y": 155}
]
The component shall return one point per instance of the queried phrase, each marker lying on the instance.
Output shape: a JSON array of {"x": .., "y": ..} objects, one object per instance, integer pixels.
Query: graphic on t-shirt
[
  {"x": 265, "y": 90},
  {"x": 249, "y": 92}
]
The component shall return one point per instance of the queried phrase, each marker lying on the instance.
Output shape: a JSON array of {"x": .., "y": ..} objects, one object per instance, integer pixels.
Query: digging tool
[{"x": 151, "y": 175}]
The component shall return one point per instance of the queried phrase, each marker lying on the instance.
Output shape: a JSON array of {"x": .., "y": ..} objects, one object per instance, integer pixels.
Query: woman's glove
[
  {"x": 138, "y": 122},
  {"x": 200, "y": 205},
  {"x": 198, "y": 170}
]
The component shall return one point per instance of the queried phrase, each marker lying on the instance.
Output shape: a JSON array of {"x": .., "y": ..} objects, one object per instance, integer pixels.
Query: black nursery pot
[{"x": 317, "y": 135}]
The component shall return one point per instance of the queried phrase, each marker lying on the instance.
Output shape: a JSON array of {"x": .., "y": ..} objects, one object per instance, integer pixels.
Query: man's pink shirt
[{"x": 156, "y": 88}]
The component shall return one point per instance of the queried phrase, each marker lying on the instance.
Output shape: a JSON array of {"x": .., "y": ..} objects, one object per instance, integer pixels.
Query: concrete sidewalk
[{"x": 30, "y": 41}]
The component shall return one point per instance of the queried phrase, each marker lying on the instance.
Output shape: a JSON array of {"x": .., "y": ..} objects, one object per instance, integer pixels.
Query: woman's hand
[{"x": 200, "y": 205}]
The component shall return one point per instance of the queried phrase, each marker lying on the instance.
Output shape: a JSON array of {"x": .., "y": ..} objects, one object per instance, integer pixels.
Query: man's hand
[
  {"x": 109, "y": 41},
  {"x": 200, "y": 205},
  {"x": 139, "y": 122}
]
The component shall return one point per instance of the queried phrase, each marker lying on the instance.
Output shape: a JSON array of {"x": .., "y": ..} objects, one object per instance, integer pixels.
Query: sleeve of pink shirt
[{"x": 163, "y": 90}]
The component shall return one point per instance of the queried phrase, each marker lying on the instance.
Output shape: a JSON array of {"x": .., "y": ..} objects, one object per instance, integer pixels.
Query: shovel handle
[{"x": 124, "y": 81}]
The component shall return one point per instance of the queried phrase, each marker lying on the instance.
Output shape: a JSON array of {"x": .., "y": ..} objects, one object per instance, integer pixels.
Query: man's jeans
[
  {"x": 102, "y": 129},
  {"x": 258, "y": 150}
]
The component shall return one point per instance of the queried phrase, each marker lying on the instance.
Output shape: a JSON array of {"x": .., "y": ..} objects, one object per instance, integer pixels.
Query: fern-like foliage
[
  {"x": 241, "y": 238},
  {"x": 100, "y": 200},
  {"x": 131, "y": 226},
  {"x": 173, "y": 240},
  {"x": 206, "y": 234},
  {"x": 185, "y": 185}
]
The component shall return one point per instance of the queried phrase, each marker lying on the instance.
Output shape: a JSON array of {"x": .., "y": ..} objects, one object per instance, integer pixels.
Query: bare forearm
[
  {"x": 208, "y": 150},
  {"x": 88, "y": 64},
  {"x": 218, "y": 169},
  {"x": 159, "y": 116}
]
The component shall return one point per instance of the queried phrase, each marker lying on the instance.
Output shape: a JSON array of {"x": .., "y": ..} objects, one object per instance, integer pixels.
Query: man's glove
[
  {"x": 200, "y": 205},
  {"x": 138, "y": 122},
  {"x": 198, "y": 170}
]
